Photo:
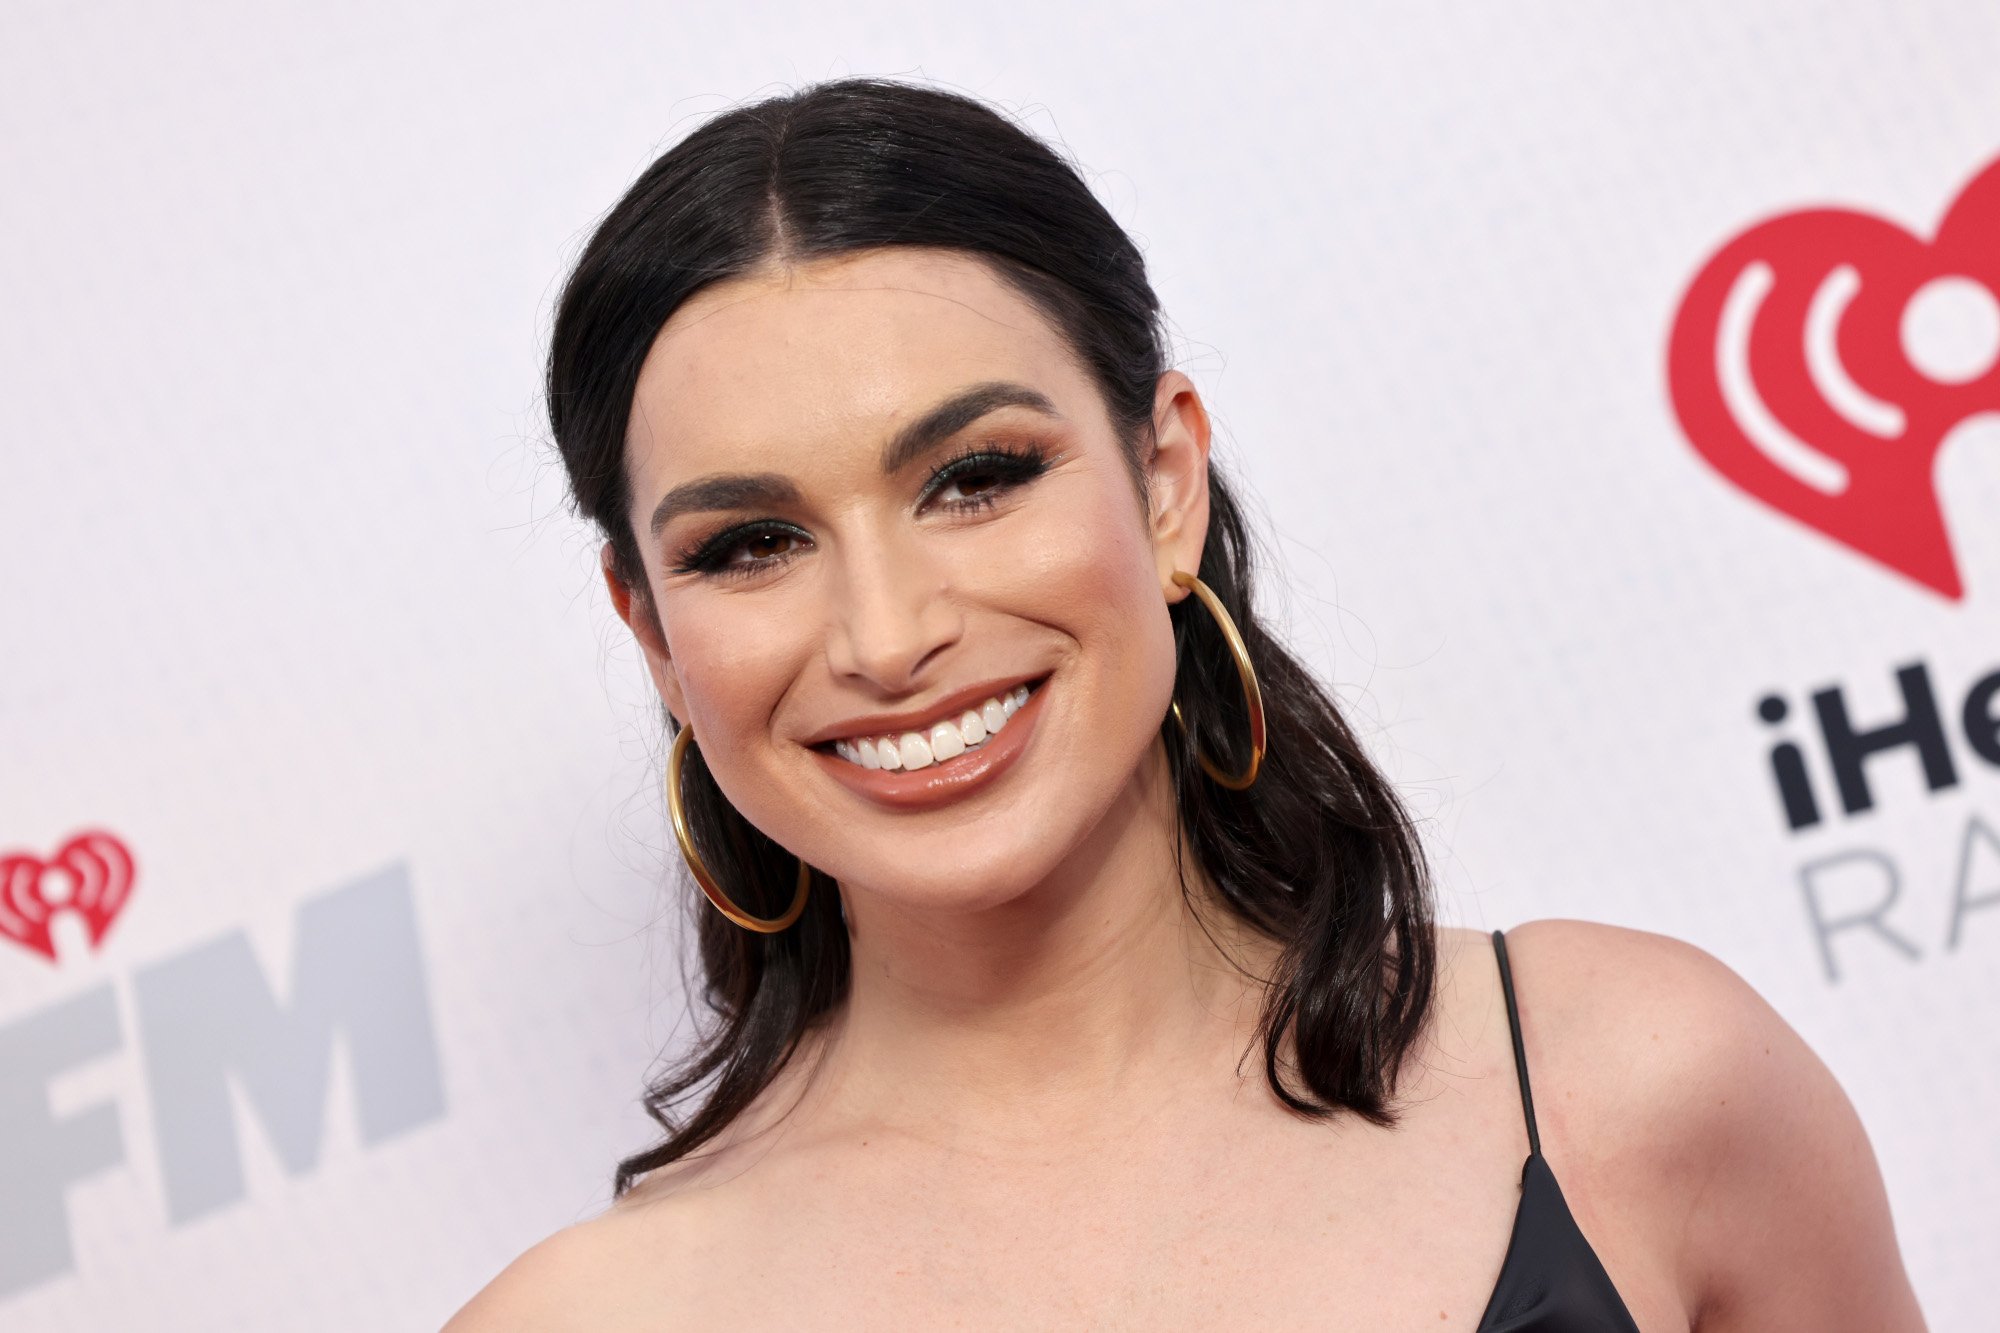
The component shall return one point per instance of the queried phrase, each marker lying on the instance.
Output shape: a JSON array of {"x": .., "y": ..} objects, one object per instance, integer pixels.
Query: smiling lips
[
  {"x": 950, "y": 759},
  {"x": 947, "y": 740}
]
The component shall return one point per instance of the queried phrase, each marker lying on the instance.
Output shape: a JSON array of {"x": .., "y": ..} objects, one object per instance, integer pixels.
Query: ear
[
  {"x": 1177, "y": 475},
  {"x": 636, "y": 610}
]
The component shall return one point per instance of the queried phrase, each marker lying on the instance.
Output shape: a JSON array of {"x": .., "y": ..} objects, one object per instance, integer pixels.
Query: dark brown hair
[{"x": 1319, "y": 854}]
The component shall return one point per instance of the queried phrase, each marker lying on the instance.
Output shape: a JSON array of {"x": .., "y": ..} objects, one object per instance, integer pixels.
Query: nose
[{"x": 893, "y": 615}]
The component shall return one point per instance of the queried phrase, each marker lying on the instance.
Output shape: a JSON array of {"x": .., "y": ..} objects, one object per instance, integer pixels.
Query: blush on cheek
[
  {"x": 1097, "y": 554},
  {"x": 1094, "y": 577},
  {"x": 733, "y": 669}
]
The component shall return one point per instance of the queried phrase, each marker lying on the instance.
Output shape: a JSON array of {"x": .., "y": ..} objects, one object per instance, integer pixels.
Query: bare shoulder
[
  {"x": 633, "y": 1266},
  {"x": 662, "y": 1254},
  {"x": 540, "y": 1290},
  {"x": 1663, "y": 1073},
  {"x": 1662, "y": 1032},
  {"x": 1601, "y": 986}
]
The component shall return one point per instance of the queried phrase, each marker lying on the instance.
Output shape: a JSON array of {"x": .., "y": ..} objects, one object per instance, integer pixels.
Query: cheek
[
  {"x": 1087, "y": 567},
  {"x": 733, "y": 668}
]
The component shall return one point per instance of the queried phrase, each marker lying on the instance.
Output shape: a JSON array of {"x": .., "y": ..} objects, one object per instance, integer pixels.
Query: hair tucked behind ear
[{"x": 1320, "y": 853}]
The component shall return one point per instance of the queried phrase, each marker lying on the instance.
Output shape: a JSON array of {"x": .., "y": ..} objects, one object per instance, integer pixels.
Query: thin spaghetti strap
[{"x": 1520, "y": 1052}]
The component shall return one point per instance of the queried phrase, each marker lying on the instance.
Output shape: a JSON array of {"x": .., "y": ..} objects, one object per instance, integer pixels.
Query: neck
[{"x": 1035, "y": 1014}]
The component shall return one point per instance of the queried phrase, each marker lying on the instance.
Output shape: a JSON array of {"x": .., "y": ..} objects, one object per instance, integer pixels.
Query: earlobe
[
  {"x": 635, "y": 609},
  {"x": 638, "y": 615},
  {"x": 1178, "y": 476},
  {"x": 621, "y": 596}
]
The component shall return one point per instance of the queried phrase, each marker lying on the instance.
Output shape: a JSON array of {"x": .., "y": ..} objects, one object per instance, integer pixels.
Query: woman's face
[{"x": 879, "y": 493}]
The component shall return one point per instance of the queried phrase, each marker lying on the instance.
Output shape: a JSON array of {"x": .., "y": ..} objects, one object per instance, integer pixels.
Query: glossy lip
[
  {"x": 941, "y": 784},
  {"x": 949, "y": 708}
]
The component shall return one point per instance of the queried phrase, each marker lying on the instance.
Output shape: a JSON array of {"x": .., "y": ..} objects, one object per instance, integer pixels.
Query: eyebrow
[
  {"x": 954, "y": 414},
  {"x": 743, "y": 490},
  {"x": 747, "y": 490}
]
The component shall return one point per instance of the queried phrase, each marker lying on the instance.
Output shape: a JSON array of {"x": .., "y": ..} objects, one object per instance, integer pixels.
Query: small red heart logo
[
  {"x": 94, "y": 870},
  {"x": 1819, "y": 360}
]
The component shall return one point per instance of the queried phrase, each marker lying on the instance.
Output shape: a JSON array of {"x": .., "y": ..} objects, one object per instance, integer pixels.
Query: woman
[{"x": 1070, "y": 964}]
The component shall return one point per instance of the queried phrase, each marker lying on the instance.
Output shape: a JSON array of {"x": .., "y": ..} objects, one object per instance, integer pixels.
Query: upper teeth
[{"x": 943, "y": 740}]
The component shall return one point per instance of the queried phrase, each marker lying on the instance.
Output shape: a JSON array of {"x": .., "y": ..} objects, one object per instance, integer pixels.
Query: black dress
[{"x": 1551, "y": 1280}]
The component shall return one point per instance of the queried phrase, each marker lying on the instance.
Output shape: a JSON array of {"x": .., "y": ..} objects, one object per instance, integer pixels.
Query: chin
[
  {"x": 956, "y": 870},
  {"x": 1004, "y": 851}
]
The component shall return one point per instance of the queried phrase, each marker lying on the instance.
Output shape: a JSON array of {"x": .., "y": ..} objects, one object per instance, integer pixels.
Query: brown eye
[
  {"x": 975, "y": 483},
  {"x": 766, "y": 545},
  {"x": 746, "y": 550},
  {"x": 977, "y": 479}
]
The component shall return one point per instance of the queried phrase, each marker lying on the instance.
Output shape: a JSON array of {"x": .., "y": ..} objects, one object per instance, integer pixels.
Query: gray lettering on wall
[
  {"x": 41, "y": 1156},
  {"x": 1964, "y": 902},
  {"x": 208, "y": 1015},
  {"x": 1871, "y": 917}
]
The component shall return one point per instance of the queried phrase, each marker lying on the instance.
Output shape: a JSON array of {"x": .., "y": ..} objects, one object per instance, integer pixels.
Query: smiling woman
[{"x": 1024, "y": 832}]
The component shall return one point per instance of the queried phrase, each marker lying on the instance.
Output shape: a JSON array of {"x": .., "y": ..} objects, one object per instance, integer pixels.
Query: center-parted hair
[{"x": 1320, "y": 854}]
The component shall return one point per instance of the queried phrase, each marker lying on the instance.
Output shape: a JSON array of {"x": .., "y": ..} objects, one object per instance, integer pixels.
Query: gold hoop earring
[
  {"x": 712, "y": 890},
  {"x": 1253, "y": 697}
]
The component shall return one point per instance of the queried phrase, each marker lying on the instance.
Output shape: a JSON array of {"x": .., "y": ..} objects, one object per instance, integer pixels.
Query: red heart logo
[
  {"x": 99, "y": 872},
  {"x": 1805, "y": 365}
]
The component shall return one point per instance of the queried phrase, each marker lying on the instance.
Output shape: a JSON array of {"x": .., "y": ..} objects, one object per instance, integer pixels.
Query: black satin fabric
[{"x": 1551, "y": 1280}]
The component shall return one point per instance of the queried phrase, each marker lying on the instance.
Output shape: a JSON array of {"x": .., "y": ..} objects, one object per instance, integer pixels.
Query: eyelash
[{"x": 1011, "y": 467}]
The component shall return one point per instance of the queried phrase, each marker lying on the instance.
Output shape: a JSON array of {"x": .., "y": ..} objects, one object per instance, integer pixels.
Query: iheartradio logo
[
  {"x": 91, "y": 875},
  {"x": 1821, "y": 358}
]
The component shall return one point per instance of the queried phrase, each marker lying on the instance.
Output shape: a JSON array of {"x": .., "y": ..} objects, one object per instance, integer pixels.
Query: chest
[
  {"x": 1124, "y": 1255},
  {"x": 1305, "y": 1226}
]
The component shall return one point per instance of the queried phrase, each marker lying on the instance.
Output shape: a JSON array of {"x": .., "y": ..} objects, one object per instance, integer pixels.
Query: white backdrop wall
[{"x": 294, "y": 615}]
